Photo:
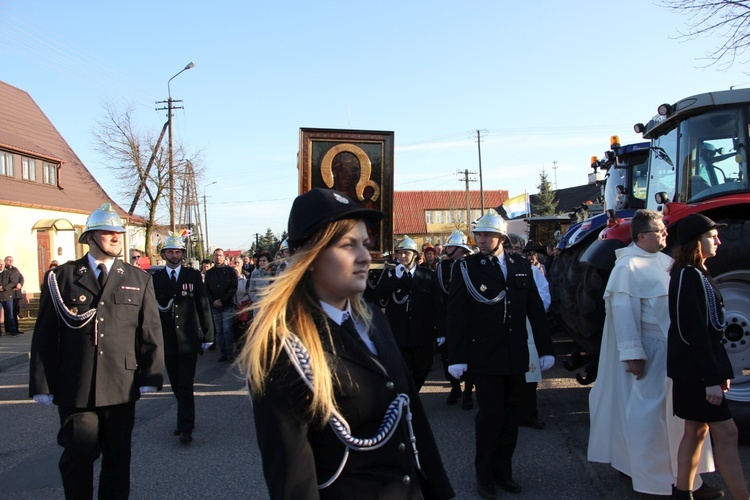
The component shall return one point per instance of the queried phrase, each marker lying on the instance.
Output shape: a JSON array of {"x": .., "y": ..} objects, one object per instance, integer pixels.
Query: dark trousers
[
  {"x": 181, "y": 371},
  {"x": 85, "y": 433},
  {"x": 17, "y": 310},
  {"x": 528, "y": 410},
  {"x": 496, "y": 425},
  {"x": 9, "y": 316},
  {"x": 419, "y": 361}
]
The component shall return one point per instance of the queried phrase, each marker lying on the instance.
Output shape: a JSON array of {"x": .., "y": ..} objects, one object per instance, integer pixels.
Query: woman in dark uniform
[
  {"x": 697, "y": 362},
  {"x": 331, "y": 394}
]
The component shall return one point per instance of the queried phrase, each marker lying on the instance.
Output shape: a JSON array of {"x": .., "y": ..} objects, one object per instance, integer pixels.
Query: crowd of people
[{"x": 335, "y": 354}]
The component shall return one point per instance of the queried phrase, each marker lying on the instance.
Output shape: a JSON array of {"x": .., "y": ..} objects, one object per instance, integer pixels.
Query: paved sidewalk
[{"x": 15, "y": 350}]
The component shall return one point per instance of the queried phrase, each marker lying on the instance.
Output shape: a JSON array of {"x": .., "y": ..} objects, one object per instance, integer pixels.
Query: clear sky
[{"x": 545, "y": 81}]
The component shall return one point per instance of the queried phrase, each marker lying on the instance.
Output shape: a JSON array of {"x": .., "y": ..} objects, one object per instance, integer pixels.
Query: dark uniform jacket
[
  {"x": 694, "y": 348},
  {"x": 298, "y": 454},
  {"x": 187, "y": 322},
  {"x": 106, "y": 361},
  {"x": 492, "y": 338},
  {"x": 420, "y": 319},
  {"x": 9, "y": 278},
  {"x": 221, "y": 284},
  {"x": 443, "y": 273}
]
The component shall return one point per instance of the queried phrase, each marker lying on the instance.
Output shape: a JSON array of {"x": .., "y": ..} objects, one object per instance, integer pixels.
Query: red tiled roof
[
  {"x": 409, "y": 206},
  {"x": 26, "y": 130}
]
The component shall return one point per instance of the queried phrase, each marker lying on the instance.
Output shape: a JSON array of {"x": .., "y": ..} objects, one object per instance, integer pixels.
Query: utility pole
[
  {"x": 205, "y": 216},
  {"x": 169, "y": 108},
  {"x": 481, "y": 185},
  {"x": 257, "y": 241},
  {"x": 554, "y": 167},
  {"x": 466, "y": 179}
]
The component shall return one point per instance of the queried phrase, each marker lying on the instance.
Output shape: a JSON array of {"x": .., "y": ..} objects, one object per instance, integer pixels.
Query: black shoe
[
  {"x": 212, "y": 347},
  {"x": 223, "y": 359},
  {"x": 534, "y": 423},
  {"x": 16, "y": 333},
  {"x": 509, "y": 485},
  {"x": 468, "y": 404},
  {"x": 486, "y": 490},
  {"x": 453, "y": 397},
  {"x": 186, "y": 437},
  {"x": 176, "y": 432}
]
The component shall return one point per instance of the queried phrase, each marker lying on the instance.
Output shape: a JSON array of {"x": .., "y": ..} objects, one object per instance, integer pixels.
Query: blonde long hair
[{"x": 289, "y": 304}]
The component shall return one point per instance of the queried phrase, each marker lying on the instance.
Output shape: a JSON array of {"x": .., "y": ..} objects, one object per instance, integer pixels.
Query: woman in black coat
[
  {"x": 697, "y": 362},
  {"x": 331, "y": 394}
]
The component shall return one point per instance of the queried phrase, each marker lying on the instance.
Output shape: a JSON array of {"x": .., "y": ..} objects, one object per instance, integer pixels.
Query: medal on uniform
[{"x": 120, "y": 271}]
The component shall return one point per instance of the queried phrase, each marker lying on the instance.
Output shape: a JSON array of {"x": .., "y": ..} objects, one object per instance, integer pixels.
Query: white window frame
[
  {"x": 6, "y": 164},
  {"x": 28, "y": 169},
  {"x": 50, "y": 174}
]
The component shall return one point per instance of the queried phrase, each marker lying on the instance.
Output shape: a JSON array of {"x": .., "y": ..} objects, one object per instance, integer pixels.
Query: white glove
[
  {"x": 147, "y": 388},
  {"x": 546, "y": 362},
  {"x": 440, "y": 341},
  {"x": 206, "y": 345},
  {"x": 457, "y": 371},
  {"x": 44, "y": 399},
  {"x": 400, "y": 270}
]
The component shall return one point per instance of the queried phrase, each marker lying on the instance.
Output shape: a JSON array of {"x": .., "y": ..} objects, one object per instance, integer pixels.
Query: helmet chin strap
[
  {"x": 105, "y": 252},
  {"x": 412, "y": 259}
]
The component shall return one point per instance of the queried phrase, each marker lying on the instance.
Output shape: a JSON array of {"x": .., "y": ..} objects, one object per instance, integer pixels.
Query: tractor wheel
[
  {"x": 571, "y": 280},
  {"x": 591, "y": 308},
  {"x": 731, "y": 271},
  {"x": 554, "y": 278}
]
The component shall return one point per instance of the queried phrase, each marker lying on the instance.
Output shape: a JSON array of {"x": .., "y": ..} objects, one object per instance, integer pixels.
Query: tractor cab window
[
  {"x": 713, "y": 154},
  {"x": 639, "y": 183},
  {"x": 662, "y": 176}
]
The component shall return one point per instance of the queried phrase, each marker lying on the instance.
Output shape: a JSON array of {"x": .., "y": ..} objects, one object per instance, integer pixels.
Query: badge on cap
[{"x": 340, "y": 199}]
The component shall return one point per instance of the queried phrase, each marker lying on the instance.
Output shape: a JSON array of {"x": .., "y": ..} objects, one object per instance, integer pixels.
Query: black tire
[
  {"x": 590, "y": 305},
  {"x": 571, "y": 280},
  {"x": 554, "y": 278},
  {"x": 731, "y": 271}
]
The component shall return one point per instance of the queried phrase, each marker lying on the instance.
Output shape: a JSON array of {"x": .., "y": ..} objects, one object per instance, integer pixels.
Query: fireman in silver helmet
[
  {"x": 97, "y": 346},
  {"x": 413, "y": 305},
  {"x": 456, "y": 248},
  {"x": 187, "y": 325},
  {"x": 490, "y": 297}
]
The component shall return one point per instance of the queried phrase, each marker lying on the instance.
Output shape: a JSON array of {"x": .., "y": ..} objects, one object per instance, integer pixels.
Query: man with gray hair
[{"x": 632, "y": 424}]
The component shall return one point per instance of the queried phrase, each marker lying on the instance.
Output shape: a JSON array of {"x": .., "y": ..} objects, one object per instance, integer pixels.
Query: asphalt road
[{"x": 223, "y": 460}]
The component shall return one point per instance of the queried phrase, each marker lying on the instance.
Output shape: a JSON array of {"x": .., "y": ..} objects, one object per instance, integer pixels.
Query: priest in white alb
[{"x": 632, "y": 424}]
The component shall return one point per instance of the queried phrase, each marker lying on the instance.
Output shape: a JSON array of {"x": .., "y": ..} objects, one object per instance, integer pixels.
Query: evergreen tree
[{"x": 544, "y": 202}]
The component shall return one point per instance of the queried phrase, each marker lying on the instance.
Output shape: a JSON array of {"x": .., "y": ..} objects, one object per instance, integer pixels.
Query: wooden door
[{"x": 43, "y": 252}]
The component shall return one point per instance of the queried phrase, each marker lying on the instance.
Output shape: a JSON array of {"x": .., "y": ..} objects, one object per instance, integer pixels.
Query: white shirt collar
[
  {"x": 337, "y": 315},
  {"x": 94, "y": 264},
  {"x": 176, "y": 272}
]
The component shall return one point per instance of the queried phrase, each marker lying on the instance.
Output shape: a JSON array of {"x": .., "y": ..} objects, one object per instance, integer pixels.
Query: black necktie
[
  {"x": 350, "y": 327},
  {"x": 102, "y": 279},
  {"x": 174, "y": 277},
  {"x": 407, "y": 279}
]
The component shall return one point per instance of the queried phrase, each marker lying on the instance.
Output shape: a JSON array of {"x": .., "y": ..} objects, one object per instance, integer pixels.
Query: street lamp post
[
  {"x": 205, "y": 214},
  {"x": 170, "y": 107}
]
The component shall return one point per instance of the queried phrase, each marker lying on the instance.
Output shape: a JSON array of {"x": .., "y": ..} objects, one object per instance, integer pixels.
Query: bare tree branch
[
  {"x": 727, "y": 20},
  {"x": 127, "y": 152}
]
